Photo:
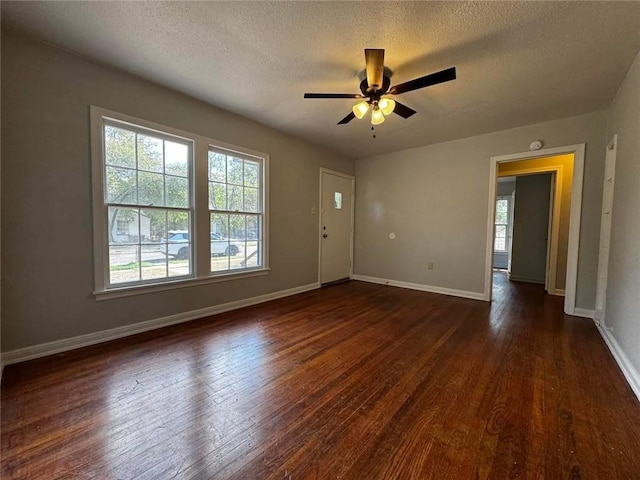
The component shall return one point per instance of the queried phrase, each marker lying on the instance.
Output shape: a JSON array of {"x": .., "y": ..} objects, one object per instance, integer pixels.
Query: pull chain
[{"x": 374, "y": 132}]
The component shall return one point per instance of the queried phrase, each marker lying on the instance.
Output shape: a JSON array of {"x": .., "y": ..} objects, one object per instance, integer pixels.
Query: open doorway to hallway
[
  {"x": 541, "y": 206},
  {"x": 534, "y": 229}
]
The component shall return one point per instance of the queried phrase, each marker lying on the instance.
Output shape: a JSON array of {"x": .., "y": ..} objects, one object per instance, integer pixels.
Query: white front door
[
  {"x": 605, "y": 228},
  {"x": 336, "y": 225}
]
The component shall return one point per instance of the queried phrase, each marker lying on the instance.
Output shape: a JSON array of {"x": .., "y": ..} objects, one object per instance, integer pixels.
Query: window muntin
[
  {"x": 236, "y": 194},
  {"x": 147, "y": 193}
]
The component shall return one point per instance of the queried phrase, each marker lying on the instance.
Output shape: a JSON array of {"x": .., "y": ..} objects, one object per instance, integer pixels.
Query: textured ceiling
[{"x": 517, "y": 62}]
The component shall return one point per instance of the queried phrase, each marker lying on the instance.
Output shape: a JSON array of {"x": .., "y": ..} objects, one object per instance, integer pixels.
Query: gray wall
[
  {"x": 47, "y": 258},
  {"x": 530, "y": 228},
  {"x": 435, "y": 199},
  {"x": 506, "y": 188},
  {"x": 623, "y": 301}
]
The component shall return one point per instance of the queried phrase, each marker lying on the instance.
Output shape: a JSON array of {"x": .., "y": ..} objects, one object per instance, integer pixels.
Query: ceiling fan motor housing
[{"x": 372, "y": 93}]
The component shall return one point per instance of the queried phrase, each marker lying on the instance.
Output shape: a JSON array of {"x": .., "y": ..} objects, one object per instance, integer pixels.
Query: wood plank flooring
[{"x": 354, "y": 381}]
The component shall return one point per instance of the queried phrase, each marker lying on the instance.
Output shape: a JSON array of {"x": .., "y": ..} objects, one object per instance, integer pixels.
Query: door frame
[
  {"x": 605, "y": 229},
  {"x": 352, "y": 217},
  {"x": 578, "y": 152}
]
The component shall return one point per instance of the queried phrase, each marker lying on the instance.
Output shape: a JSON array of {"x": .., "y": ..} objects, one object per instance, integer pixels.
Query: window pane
[
  {"x": 502, "y": 209},
  {"x": 122, "y": 225},
  {"x": 251, "y": 200},
  {"x": 179, "y": 267},
  {"x": 253, "y": 227},
  {"x": 251, "y": 173},
  {"x": 500, "y": 243},
  {"x": 150, "y": 153},
  {"x": 237, "y": 227},
  {"x": 234, "y": 170},
  {"x": 121, "y": 185},
  {"x": 176, "y": 159},
  {"x": 217, "y": 196},
  {"x": 217, "y": 167},
  {"x": 179, "y": 244},
  {"x": 337, "y": 200},
  {"x": 150, "y": 189},
  {"x": 178, "y": 221},
  {"x": 220, "y": 224},
  {"x": 154, "y": 262},
  {"x": 119, "y": 147},
  {"x": 157, "y": 225},
  {"x": 252, "y": 253},
  {"x": 219, "y": 242},
  {"x": 177, "y": 192},
  {"x": 234, "y": 198},
  {"x": 124, "y": 264}
]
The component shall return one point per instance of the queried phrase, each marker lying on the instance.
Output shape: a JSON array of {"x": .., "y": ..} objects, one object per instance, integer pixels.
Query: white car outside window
[{"x": 219, "y": 245}]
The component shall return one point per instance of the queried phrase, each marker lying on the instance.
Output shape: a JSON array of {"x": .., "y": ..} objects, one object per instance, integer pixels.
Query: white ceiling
[{"x": 517, "y": 62}]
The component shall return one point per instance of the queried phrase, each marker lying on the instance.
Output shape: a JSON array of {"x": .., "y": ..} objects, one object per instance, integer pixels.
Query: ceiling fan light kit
[
  {"x": 377, "y": 117},
  {"x": 378, "y": 84},
  {"x": 361, "y": 109},
  {"x": 387, "y": 105}
]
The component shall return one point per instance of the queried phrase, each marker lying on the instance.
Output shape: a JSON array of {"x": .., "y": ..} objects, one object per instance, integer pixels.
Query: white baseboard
[
  {"x": 628, "y": 370},
  {"x": 58, "y": 346},
  {"x": 518, "y": 278},
  {"x": 583, "y": 312},
  {"x": 558, "y": 292},
  {"x": 421, "y": 287}
]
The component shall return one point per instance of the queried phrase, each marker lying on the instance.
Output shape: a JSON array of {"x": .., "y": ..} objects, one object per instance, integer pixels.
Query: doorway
[
  {"x": 336, "y": 226},
  {"x": 573, "y": 229}
]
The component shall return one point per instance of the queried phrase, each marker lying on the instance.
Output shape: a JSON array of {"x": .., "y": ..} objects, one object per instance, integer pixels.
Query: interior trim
[
  {"x": 64, "y": 345},
  {"x": 630, "y": 373},
  {"x": 419, "y": 286},
  {"x": 583, "y": 312}
]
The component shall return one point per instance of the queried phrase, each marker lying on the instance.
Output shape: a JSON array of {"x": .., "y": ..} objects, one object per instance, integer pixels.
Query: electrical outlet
[{"x": 430, "y": 265}]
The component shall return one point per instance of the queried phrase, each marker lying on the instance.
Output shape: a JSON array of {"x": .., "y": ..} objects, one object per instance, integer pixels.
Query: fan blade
[
  {"x": 347, "y": 119},
  {"x": 426, "y": 81},
  {"x": 403, "y": 110},
  {"x": 374, "y": 58},
  {"x": 333, "y": 95}
]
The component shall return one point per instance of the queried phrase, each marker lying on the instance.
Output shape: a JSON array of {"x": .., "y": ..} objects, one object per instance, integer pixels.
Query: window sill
[{"x": 160, "y": 287}]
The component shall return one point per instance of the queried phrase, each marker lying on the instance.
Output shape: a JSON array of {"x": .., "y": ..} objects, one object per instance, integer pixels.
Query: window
[
  {"x": 501, "y": 240},
  {"x": 337, "y": 200},
  {"x": 147, "y": 195},
  {"x": 235, "y": 211},
  {"x": 147, "y": 230}
]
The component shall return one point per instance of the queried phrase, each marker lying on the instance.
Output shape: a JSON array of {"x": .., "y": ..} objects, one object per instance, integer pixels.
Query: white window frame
[
  {"x": 261, "y": 200},
  {"x": 201, "y": 255}
]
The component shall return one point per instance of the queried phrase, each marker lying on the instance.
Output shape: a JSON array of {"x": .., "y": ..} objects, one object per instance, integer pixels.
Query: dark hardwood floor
[{"x": 354, "y": 381}]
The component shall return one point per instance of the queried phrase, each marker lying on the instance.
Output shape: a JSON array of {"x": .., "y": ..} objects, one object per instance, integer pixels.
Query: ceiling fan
[{"x": 376, "y": 88}]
